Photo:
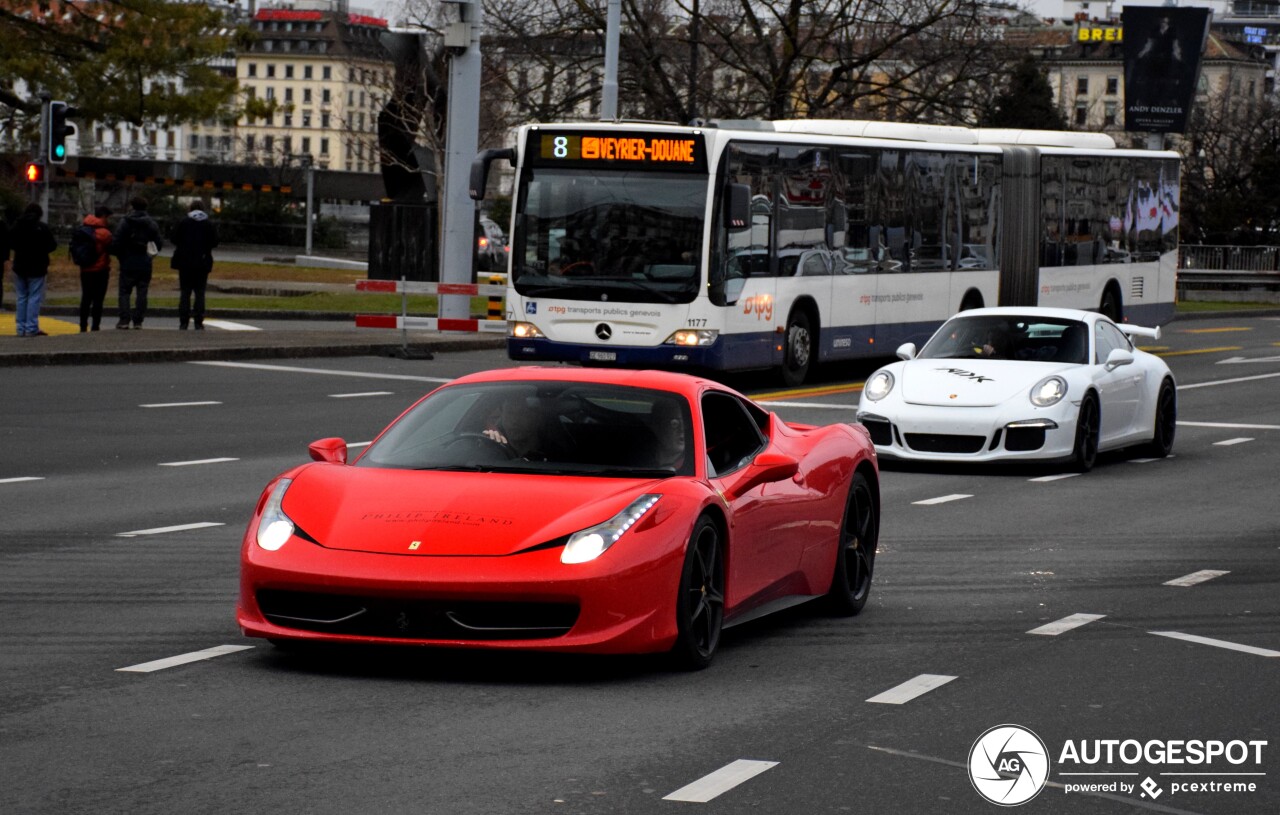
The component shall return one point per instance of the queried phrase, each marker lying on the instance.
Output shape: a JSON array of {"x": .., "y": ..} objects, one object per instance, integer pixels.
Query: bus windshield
[{"x": 621, "y": 235}]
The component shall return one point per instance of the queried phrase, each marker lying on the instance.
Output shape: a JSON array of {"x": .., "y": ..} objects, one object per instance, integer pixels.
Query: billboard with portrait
[{"x": 1162, "y": 49}]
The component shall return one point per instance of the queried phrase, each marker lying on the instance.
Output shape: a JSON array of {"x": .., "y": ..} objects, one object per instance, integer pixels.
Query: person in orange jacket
[{"x": 90, "y": 247}]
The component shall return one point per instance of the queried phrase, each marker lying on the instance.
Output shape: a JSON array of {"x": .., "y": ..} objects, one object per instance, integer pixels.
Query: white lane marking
[
  {"x": 1047, "y": 478},
  {"x": 160, "y": 530},
  {"x": 227, "y": 325},
  {"x": 1238, "y": 360},
  {"x": 1229, "y": 426},
  {"x": 178, "y": 404},
  {"x": 183, "y": 659},
  {"x": 720, "y": 781},
  {"x": 1143, "y": 460},
  {"x": 810, "y": 405},
  {"x": 21, "y": 478},
  {"x": 942, "y": 499},
  {"x": 1231, "y": 442},
  {"x": 356, "y": 395},
  {"x": 196, "y": 461},
  {"x": 1134, "y": 802},
  {"x": 1066, "y": 624},
  {"x": 1227, "y": 381},
  {"x": 1196, "y": 577},
  {"x": 359, "y": 443},
  {"x": 912, "y": 688},
  {"x": 253, "y": 366},
  {"x": 1230, "y": 646}
]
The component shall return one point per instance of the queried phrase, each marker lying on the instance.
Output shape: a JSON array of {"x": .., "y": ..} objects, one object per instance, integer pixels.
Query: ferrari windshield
[
  {"x": 552, "y": 428},
  {"x": 1010, "y": 337},
  {"x": 624, "y": 235}
]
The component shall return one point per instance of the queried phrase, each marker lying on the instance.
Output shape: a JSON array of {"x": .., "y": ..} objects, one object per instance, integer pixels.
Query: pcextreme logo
[{"x": 1008, "y": 765}]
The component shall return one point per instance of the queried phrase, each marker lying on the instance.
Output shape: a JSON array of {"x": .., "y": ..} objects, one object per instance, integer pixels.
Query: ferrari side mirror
[{"x": 332, "y": 450}]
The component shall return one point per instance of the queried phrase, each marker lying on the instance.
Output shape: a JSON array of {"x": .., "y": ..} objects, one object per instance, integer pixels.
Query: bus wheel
[
  {"x": 799, "y": 349},
  {"x": 1110, "y": 306}
]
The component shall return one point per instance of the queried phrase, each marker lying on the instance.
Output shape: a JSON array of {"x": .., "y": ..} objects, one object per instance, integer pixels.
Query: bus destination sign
[{"x": 641, "y": 150}]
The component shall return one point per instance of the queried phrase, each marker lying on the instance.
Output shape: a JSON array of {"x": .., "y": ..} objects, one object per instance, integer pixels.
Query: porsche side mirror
[
  {"x": 906, "y": 351},
  {"x": 1118, "y": 357},
  {"x": 332, "y": 450}
]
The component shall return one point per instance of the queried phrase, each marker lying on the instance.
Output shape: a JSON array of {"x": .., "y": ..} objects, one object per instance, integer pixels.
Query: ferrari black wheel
[
  {"x": 1166, "y": 422},
  {"x": 798, "y": 350},
  {"x": 855, "y": 560},
  {"x": 1085, "y": 453},
  {"x": 700, "y": 603}
]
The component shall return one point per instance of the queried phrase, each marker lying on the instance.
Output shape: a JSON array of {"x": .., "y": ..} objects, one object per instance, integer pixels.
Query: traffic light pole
[{"x": 43, "y": 192}]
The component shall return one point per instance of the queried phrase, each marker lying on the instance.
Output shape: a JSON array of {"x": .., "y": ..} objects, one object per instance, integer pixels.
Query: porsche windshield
[
  {"x": 552, "y": 428},
  {"x": 624, "y": 235},
  {"x": 1010, "y": 337}
]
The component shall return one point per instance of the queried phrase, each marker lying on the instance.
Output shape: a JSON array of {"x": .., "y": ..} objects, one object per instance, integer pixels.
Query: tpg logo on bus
[{"x": 759, "y": 304}]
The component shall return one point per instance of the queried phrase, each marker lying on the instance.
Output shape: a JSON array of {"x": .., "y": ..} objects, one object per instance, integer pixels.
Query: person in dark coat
[
  {"x": 31, "y": 241},
  {"x": 136, "y": 230},
  {"x": 95, "y": 276},
  {"x": 4, "y": 254},
  {"x": 193, "y": 244}
]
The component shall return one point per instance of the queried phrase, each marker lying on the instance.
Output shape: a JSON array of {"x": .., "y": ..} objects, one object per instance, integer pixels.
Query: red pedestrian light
[{"x": 35, "y": 172}]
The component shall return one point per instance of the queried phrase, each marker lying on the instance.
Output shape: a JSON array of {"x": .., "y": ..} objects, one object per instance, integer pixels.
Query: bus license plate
[{"x": 603, "y": 356}]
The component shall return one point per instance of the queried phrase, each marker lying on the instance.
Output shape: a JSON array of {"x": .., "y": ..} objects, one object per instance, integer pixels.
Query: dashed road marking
[
  {"x": 21, "y": 478},
  {"x": 941, "y": 499},
  {"x": 1230, "y": 646},
  {"x": 1219, "y": 350},
  {"x": 1235, "y": 381},
  {"x": 1227, "y": 330},
  {"x": 357, "y": 395},
  {"x": 912, "y": 688},
  {"x": 160, "y": 530},
  {"x": 183, "y": 659},
  {"x": 196, "y": 461},
  {"x": 256, "y": 366},
  {"x": 1232, "y": 442},
  {"x": 1066, "y": 624},
  {"x": 1047, "y": 478},
  {"x": 178, "y": 404},
  {"x": 1231, "y": 426},
  {"x": 228, "y": 325},
  {"x": 720, "y": 781},
  {"x": 1196, "y": 577}
]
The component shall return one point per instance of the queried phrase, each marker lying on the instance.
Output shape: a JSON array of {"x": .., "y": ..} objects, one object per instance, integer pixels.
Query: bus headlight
[
  {"x": 693, "y": 336},
  {"x": 525, "y": 331},
  {"x": 878, "y": 386},
  {"x": 1049, "y": 391}
]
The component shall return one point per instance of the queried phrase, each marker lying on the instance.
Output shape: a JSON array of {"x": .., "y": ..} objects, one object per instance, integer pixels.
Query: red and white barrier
[
  {"x": 430, "y": 323},
  {"x": 419, "y": 287}
]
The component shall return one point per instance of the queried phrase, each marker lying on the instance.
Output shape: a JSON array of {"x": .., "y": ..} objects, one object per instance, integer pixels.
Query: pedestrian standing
[
  {"x": 90, "y": 250},
  {"x": 136, "y": 242},
  {"x": 193, "y": 245},
  {"x": 4, "y": 254},
  {"x": 31, "y": 241}
]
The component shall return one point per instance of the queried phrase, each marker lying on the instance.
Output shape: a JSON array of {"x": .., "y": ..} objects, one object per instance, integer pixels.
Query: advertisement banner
[{"x": 1162, "y": 49}]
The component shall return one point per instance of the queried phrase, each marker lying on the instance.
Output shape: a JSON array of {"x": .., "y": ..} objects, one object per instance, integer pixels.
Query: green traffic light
[{"x": 60, "y": 151}]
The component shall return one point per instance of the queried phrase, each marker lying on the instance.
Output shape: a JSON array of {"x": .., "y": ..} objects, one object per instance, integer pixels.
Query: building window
[
  {"x": 268, "y": 144},
  {"x": 306, "y": 120},
  {"x": 351, "y": 98},
  {"x": 306, "y": 144},
  {"x": 288, "y": 72},
  {"x": 324, "y": 147},
  {"x": 327, "y": 73},
  {"x": 324, "y": 121},
  {"x": 271, "y": 92},
  {"x": 1113, "y": 85},
  {"x": 1082, "y": 113},
  {"x": 324, "y": 96},
  {"x": 1082, "y": 86},
  {"x": 248, "y": 143},
  {"x": 1109, "y": 114},
  {"x": 194, "y": 142},
  {"x": 288, "y": 120},
  {"x": 252, "y": 69},
  {"x": 306, "y": 96},
  {"x": 351, "y": 75},
  {"x": 287, "y": 144},
  {"x": 271, "y": 70},
  {"x": 288, "y": 94},
  {"x": 306, "y": 72},
  {"x": 169, "y": 139},
  {"x": 151, "y": 138}
]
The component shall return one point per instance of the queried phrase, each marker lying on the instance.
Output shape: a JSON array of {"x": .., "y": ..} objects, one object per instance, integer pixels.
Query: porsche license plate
[{"x": 603, "y": 356}]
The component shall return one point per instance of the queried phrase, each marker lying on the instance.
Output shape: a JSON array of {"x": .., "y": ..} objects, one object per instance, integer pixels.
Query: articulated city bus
[{"x": 749, "y": 245}]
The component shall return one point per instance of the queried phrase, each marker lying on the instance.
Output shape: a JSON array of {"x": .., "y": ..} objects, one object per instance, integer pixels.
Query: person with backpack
[
  {"x": 193, "y": 244},
  {"x": 136, "y": 242},
  {"x": 31, "y": 241},
  {"x": 90, "y": 245},
  {"x": 4, "y": 254}
]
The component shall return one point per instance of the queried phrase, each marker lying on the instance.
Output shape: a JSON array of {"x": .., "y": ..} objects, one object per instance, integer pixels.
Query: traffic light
[
  {"x": 58, "y": 130},
  {"x": 35, "y": 172}
]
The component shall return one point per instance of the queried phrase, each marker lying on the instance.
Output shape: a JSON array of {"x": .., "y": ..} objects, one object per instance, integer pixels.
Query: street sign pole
[
  {"x": 43, "y": 192},
  {"x": 457, "y": 210}
]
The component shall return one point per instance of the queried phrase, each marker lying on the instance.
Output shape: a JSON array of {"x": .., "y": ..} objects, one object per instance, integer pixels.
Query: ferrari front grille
[
  {"x": 416, "y": 619},
  {"x": 944, "y": 443}
]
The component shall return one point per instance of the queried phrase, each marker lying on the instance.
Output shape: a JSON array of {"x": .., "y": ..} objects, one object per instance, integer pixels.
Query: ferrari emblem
[{"x": 413, "y": 547}]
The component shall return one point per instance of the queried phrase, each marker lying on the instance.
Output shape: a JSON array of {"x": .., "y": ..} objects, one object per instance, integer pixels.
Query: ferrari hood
[
  {"x": 448, "y": 513},
  {"x": 970, "y": 382}
]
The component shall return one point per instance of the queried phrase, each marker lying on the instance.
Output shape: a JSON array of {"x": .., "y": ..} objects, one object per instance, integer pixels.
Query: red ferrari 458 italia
[{"x": 565, "y": 510}]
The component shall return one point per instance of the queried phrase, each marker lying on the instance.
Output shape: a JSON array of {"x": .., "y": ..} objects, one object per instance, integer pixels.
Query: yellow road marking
[
  {"x": 829, "y": 390},
  {"x": 49, "y": 325},
  {"x": 1152, "y": 348},
  {"x": 1201, "y": 351},
  {"x": 1213, "y": 330}
]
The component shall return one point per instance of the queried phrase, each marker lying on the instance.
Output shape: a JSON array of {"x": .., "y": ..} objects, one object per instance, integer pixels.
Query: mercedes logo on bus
[{"x": 603, "y": 331}]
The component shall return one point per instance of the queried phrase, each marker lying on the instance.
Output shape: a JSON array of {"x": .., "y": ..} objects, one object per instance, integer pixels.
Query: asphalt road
[{"x": 111, "y": 454}]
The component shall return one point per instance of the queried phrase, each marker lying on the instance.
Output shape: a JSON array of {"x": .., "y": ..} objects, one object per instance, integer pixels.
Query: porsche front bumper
[{"x": 941, "y": 433}]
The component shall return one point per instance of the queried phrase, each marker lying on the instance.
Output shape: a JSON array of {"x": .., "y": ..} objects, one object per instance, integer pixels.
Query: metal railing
[{"x": 1230, "y": 258}]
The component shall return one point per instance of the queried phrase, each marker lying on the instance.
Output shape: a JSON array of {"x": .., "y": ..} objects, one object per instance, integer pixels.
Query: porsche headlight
[
  {"x": 590, "y": 543},
  {"x": 274, "y": 527},
  {"x": 878, "y": 386},
  {"x": 1049, "y": 391}
]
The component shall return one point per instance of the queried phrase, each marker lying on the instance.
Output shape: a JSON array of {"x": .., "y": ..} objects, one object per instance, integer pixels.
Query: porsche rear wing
[{"x": 1140, "y": 331}]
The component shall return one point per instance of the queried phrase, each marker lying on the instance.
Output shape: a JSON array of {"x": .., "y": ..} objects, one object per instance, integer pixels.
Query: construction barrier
[
  {"x": 430, "y": 323},
  {"x": 422, "y": 287},
  {"x": 495, "y": 323}
]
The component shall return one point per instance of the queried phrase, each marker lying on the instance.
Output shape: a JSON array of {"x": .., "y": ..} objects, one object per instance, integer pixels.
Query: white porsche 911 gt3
[{"x": 1013, "y": 383}]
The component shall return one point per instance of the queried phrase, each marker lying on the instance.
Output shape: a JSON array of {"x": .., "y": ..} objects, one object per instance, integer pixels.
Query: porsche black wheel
[
  {"x": 1085, "y": 453},
  {"x": 700, "y": 603},
  {"x": 798, "y": 350},
  {"x": 1166, "y": 422},
  {"x": 851, "y": 583}
]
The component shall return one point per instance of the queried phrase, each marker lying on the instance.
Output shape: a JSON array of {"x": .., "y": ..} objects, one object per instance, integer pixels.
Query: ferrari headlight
[
  {"x": 1049, "y": 391},
  {"x": 590, "y": 543},
  {"x": 878, "y": 386},
  {"x": 693, "y": 336},
  {"x": 525, "y": 331},
  {"x": 274, "y": 527}
]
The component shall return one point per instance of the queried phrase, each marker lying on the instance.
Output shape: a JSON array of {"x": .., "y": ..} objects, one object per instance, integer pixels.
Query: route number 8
[{"x": 561, "y": 147}]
